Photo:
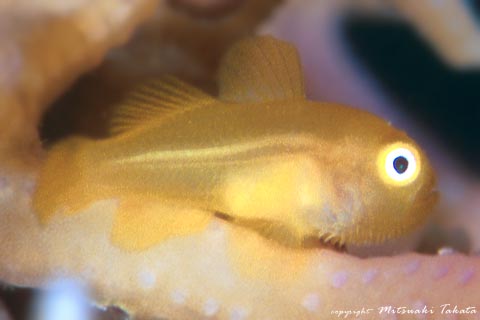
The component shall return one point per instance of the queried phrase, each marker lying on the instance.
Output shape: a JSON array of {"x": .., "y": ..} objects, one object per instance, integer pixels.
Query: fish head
[{"x": 378, "y": 183}]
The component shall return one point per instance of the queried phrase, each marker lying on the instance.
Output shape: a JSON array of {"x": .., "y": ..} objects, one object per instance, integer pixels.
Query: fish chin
[
  {"x": 393, "y": 240},
  {"x": 398, "y": 241}
]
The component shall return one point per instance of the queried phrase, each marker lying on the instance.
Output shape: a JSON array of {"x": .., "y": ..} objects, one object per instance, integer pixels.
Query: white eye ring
[{"x": 400, "y": 164}]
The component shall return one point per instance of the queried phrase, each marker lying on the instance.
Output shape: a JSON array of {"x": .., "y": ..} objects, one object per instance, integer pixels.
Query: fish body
[{"x": 260, "y": 155}]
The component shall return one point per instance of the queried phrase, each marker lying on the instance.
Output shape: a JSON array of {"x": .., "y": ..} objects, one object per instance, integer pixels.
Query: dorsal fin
[
  {"x": 261, "y": 69},
  {"x": 155, "y": 100}
]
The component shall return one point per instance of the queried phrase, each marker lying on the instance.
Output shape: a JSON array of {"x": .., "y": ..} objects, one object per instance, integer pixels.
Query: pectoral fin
[{"x": 275, "y": 199}]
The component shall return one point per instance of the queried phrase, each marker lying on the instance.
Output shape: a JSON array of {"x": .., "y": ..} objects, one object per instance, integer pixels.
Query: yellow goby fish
[{"x": 260, "y": 155}]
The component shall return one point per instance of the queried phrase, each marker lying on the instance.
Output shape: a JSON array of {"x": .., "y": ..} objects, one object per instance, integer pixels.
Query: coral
[
  {"x": 449, "y": 26},
  {"x": 45, "y": 46},
  {"x": 173, "y": 43},
  {"x": 225, "y": 272}
]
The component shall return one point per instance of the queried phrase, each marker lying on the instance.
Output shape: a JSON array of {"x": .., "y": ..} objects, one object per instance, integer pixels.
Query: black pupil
[{"x": 400, "y": 164}]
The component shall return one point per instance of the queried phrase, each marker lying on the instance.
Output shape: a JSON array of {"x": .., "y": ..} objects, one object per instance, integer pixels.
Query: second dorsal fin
[
  {"x": 154, "y": 101},
  {"x": 261, "y": 69}
]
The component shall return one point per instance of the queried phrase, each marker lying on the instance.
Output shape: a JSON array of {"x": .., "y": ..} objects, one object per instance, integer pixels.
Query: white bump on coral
[
  {"x": 369, "y": 275},
  {"x": 178, "y": 297},
  {"x": 339, "y": 279},
  {"x": 210, "y": 307},
  {"x": 441, "y": 272},
  {"x": 238, "y": 313},
  {"x": 311, "y": 302},
  {"x": 412, "y": 267},
  {"x": 467, "y": 276},
  {"x": 147, "y": 279}
]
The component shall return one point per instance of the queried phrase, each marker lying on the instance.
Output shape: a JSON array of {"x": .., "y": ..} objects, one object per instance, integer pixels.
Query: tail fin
[{"x": 63, "y": 184}]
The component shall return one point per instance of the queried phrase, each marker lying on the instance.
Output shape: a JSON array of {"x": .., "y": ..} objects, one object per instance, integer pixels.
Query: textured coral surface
[
  {"x": 226, "y": 272},
  {"x": 45, "y": 46}
]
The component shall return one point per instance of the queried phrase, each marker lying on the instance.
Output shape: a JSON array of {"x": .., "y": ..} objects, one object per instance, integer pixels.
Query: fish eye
[{"x": 398, "y": 164}]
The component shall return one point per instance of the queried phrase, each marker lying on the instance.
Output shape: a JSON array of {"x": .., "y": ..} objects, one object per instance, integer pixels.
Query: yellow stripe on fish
[{"x": 260, "y": 155}]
